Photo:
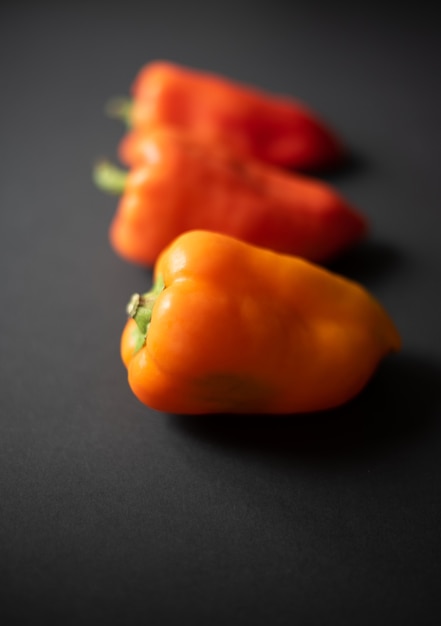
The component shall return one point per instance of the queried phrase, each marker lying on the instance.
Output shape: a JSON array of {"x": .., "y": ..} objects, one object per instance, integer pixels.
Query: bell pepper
[
  {"x": 184, "y": 184},
  {"x": 250, "y": 122},
  {"x": 231, "y": 327}
]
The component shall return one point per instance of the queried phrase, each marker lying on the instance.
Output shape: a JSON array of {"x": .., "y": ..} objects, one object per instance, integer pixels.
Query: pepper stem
[
  {"x": 109, "y": 177},
  {"x": 120, "y": 108},
  {"x": 140, "y": 309}
]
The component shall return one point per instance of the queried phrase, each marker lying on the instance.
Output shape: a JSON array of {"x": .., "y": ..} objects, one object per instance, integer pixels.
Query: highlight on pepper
[
  {"x": 230, "y": 327},
  {"x": 183, "y": 183}
]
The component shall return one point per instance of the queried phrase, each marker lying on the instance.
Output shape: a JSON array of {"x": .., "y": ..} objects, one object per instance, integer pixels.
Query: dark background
[{"x": 112, "y": 513}]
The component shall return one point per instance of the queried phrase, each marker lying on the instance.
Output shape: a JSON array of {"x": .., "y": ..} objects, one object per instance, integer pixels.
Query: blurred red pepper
[
  {"x": 183, "y": 184},
  {"x": 251, "y": 123}
]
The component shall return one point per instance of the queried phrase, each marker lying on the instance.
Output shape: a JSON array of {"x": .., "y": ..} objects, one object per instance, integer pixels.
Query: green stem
[
  {"x": 109, "y": 177},
  {"x": 120, "y": 108},
  {"x": 140, "y": 309}
]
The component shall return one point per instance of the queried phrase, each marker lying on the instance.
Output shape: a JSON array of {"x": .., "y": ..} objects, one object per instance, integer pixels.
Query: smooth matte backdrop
[{"x": 111, "y": 513}]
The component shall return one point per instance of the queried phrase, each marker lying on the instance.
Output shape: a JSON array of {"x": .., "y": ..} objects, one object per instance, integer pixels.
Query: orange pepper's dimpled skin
[
  {"x": 128, "y": 341},
  {"x": 242, "y": 329},
  {"x": 252, "y": 123}
]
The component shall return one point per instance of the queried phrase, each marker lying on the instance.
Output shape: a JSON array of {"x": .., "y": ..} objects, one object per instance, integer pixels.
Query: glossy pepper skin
[
  {"x": 252, "y": 123},
  {"x": 231, "y": 327},
  {"x": 184, "y": 184}
]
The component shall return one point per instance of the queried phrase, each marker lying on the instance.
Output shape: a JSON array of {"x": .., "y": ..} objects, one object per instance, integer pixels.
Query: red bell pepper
[
  {"x": 250, "y": 122},
  {"x": 183, "y": 184}
]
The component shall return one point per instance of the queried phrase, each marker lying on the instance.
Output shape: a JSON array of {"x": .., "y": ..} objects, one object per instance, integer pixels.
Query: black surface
[{"x": 114, "y": 514}]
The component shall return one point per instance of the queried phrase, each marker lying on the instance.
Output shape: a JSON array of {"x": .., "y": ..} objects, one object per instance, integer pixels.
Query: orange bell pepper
[
  {"x": 230, "y": 327},
  {"x": 183, "y": 184},
  {"x": 250, "y": 122}
]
